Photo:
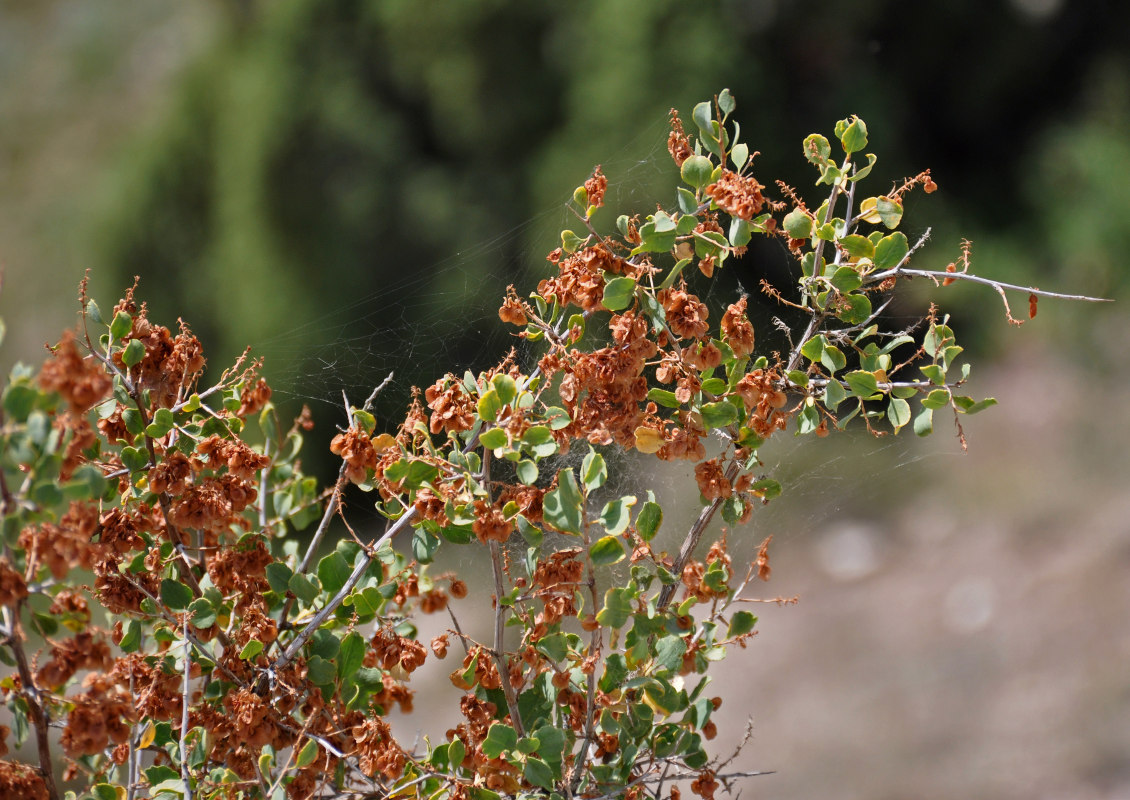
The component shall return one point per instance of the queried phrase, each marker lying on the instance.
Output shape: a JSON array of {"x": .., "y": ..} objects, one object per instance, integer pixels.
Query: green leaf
[
  {"x": 687, "y": 202},
  {"x": 966, "y": 405},
  {"x": 203, "y": 613},
  {"x": 663, "y": 397},
  {"x": 19, "y": 400},
  {"x": 862, "y": 384},
  {"x": 714, "y": 386},
  {"x": 833, "y": 359},
  {"x": 649, "y": 520},
  {"x": 696, "y": 171},
  {"x": 366, "y": 421},
  {"x": 307, "y": 754},
  {"x": 739, "y": 154},
  {"x": 278, "y": 576},
  {"x": 594, "y": 472},
  {"x": 846, "y": 280},
  {"x": 175, "y": 595},
  {"x": 500, "y": 739},
  {"x": 934, "y": 373},
  {"x": 817, "y": 150},
  {"x": 104, "y": 791},
  {"x": 527, "y": 472},
  {"x": 570, "y": 241},
  {"x": 253, "y": 648},
  {"x": 493, "y": 438},
  {"x": 808, "y": 419},
  {"x": 556, "y": 418},
  {"x": 890, "y": 250},
  {"x": 740, "y": 233},
  {"x": 606, "y": 550},
  {"x": 325, "y": 643},
  {"x": 538, "y": 773},
  {"x": 333, "y": 572},
  {"x": 562, "y": 506},
  {"x": 351, "y": 656},
  {"x": 767, "y": 489},
  {"x": 924, "y": 422},
  {"x": 617, "y": 514},
  {"x": 858, "y": 309},
  {"x": 160, "y": 774},
  {"x": 703, "y": 118},
  {"x": 669, "y": 652},
  {"x": 505, "y": 387},
  {"x": 617, "y": 608},
  {"x": 94, "y": 312},
  {"x": 135, "y": 458},
  {"x": 857, "y": 246},
  {"x": 555, "y": 646},
  {"x": 798, "y": 225},
  {"x": 813, "y": 349},
  {"x": 618, "y": 293},
  {"x": 890, "y": 212},
  {"x": 938, "y": 398},
  {"x": 719, "y": 415},
  {"x": 302, "y": 588},
  {"x": 726, "y": 102},
  {"x": 121, "y": 325},
  {"x": 133, "y": 353},
  {"x": 489, "y": 405},
  {"x": 686, "y": 224},
  {"x": 834, "y": 394},
  {"x": 131, "y": 639},
  {"x": 898, "y": 413},
  {"x": 740, "y": 623},
  {"x": 319, "y": 671},
  {"x": 854, "y": 135},
  {"x": 456, "y": 752},
  {"x": 862, "y": 172}
]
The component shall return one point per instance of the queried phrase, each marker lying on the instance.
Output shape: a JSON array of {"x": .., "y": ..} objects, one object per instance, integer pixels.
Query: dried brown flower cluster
[{"x": 737, "y": 195}]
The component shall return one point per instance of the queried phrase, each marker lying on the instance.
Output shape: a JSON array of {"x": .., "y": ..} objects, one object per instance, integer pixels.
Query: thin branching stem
[
  {"x": 498, "y": 651},
  {"x": 36, "y": 708},
  {"x": 186, "y": 703}
]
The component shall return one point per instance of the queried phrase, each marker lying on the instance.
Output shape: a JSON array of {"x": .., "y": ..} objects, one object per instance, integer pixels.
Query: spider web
[
  {"x": 824, "y": 481},
  {"x": 384, "y": 332}
]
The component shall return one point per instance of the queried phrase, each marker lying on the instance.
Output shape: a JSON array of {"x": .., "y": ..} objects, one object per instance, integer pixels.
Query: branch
[
  {"x": 335, "y": 497},
  {"x": 36, "y": 710},
  {"x": 998, "y": 285},
  {"x": 694, "y": 535},
  {"x": 498, "y": 651},
  {"x": 362, "y": 564},
  {"x": 186, "y": 699}
]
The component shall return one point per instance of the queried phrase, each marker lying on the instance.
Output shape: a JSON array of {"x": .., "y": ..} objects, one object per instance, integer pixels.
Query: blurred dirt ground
[{"x": 973, "y": 641}]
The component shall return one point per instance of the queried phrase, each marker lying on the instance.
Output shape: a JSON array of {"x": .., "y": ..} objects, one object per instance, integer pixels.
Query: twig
[
  {"x": 692, "y": 539},
  {"x": 36, "y": 710},
  {"x": 133, "y": 760},
  {"x": 362, "y": 564},
  {"x": 185, "y": 775},
  {"x": 339, "y": 485},
  {"x": 998, "y": 285},
  {"x": 498, "y": 651}
]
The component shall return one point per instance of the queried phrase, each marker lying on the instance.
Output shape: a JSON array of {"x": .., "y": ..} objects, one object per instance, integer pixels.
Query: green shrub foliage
[{"x": 190, "y": 647}]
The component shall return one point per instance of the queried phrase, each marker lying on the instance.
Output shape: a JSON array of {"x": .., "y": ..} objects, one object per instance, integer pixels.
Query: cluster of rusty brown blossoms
[{"x": 166, "y": 635}]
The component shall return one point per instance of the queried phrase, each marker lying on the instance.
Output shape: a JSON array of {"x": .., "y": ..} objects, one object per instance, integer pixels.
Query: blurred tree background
[{"x": 385, "y": 167}]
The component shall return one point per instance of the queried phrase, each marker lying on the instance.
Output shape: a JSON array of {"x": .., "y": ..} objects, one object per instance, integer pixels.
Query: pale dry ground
[{"x": 973, "y": 642}]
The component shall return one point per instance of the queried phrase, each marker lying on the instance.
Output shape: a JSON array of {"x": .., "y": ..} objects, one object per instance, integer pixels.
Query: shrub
[{"x": 192, "y": 648}]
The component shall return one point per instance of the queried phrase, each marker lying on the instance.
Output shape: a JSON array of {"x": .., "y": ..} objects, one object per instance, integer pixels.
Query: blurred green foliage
[{"x": 316, "y": 147}]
